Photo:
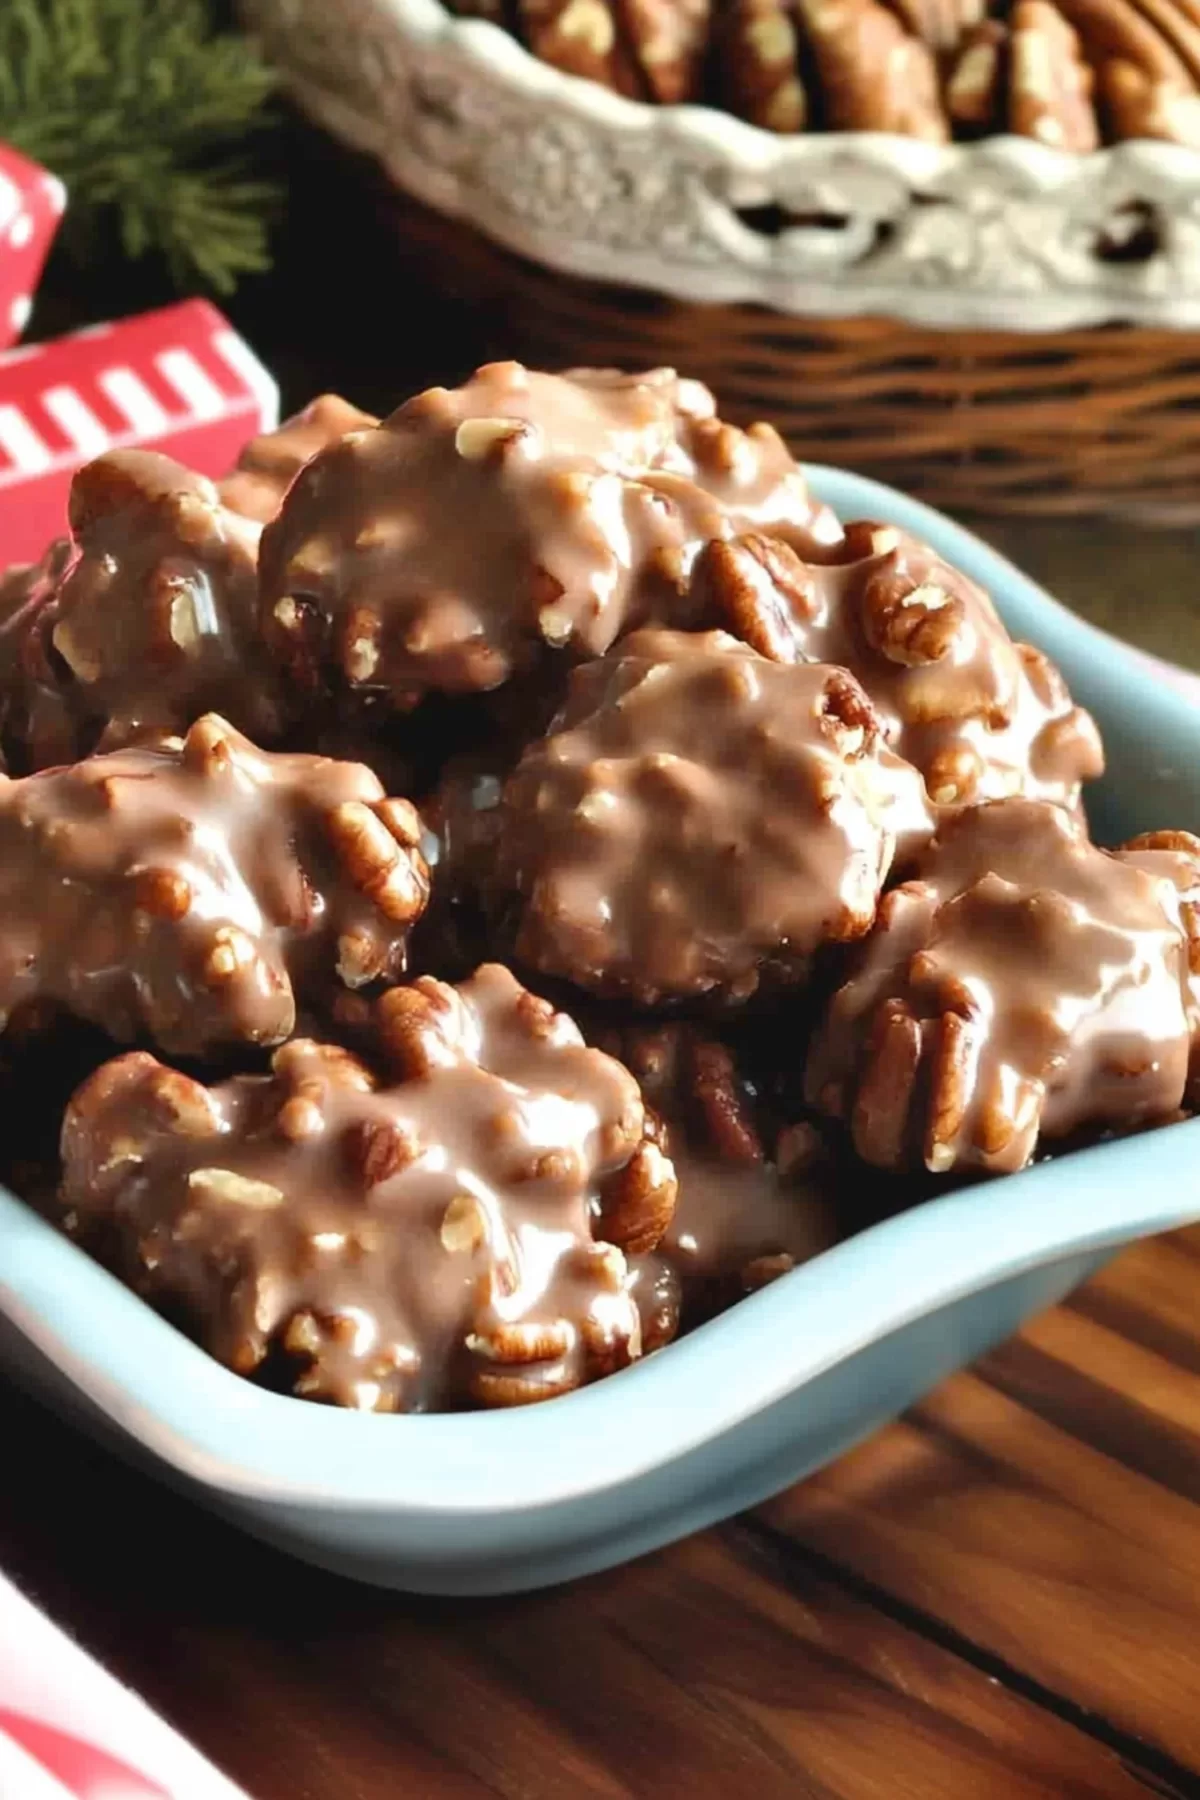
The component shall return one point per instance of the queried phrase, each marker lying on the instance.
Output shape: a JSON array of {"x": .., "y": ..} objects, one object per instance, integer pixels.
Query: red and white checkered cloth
[{"x": 179, "y": 380}]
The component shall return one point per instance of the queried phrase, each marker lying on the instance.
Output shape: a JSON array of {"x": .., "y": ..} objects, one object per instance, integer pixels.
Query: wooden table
[{"x": 998, "y": 1596}]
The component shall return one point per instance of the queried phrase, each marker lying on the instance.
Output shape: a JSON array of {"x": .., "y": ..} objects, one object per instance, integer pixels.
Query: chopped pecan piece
[
  {"x": 1174, "y": 856},
  {"x": 753, "y": 1201}
]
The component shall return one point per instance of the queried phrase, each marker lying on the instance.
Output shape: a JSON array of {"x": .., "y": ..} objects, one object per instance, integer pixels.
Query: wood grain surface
[{"x": 1044, "y": 1507}]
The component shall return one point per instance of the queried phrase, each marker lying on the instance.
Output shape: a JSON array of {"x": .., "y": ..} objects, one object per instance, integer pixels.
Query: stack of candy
[{"x": 724, "y": 866}]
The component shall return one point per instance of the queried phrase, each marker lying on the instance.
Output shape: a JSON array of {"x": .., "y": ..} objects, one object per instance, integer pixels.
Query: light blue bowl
[{"x": 788, "y": 1379}]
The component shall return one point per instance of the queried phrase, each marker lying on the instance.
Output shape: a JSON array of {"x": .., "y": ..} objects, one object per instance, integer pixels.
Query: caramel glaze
[
  {"x": 462, "y": 818},
  {"x": 1024, "y": 986},
  {"x": 427, "y": 1243},
  {"x": 1174, "y": 856},
  {"x": 753, "y": 1200},
  {"x": 699, "y": 821},
  {"x": 735, "y": 1228},
  {"x": 192, "y": 890},
  {"x": 38, "y": 726},
  {"x": 479, "y": 529},
  {"x": 269, "y": 464}
]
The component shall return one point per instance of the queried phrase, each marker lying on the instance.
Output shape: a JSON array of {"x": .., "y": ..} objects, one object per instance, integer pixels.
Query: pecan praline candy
[
  {"x": 197, "y": 891},
  {"x": 699, "y": 822},
  {"x": 453, "y": 1234}
]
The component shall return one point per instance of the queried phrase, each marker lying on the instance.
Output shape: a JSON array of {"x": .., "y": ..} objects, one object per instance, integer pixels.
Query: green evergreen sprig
[{"x": 146, "y": 111}]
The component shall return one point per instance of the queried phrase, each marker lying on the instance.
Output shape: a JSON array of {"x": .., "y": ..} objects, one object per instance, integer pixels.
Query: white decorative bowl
[{"x": 1001, "y": 234}]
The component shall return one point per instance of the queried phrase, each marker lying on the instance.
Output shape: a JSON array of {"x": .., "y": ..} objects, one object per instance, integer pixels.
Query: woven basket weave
[{"x": 1099, "y": 420}]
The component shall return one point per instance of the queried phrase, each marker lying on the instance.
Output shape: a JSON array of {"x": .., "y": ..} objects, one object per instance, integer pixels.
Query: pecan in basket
[
  {"x": 1050, "y": 83},
  {"x": 758, "y": 64},
  {"x": 873, "y": 74},
  {"x": 1146, "y": 80},
  {"x": 652, "y": 49},
  {"x": 977, "y": 82}
]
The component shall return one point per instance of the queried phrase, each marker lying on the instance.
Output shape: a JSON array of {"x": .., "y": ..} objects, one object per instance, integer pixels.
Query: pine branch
[{"x": 144, "y": 111}]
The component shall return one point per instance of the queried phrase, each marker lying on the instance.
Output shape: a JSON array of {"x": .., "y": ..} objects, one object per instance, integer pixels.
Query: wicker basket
[
  {"x": 936, "y": 315},
  {"x": 1104, "y": 420}
]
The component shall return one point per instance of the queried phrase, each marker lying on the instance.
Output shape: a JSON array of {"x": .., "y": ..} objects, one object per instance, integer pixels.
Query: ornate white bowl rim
[{"x": 695, "y": 204}]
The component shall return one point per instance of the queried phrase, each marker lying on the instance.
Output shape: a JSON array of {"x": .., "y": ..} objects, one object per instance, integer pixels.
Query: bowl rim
[
  {"x": 220, "y": 1431},
  {"x": 752, "y": 147},
  {"x": 662, "y": 198}
]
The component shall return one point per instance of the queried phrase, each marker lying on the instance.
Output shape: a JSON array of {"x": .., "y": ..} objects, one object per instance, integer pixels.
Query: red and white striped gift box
[
  {"x": 31, "y": 204},
  {"x": 179, "y": 380}
]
